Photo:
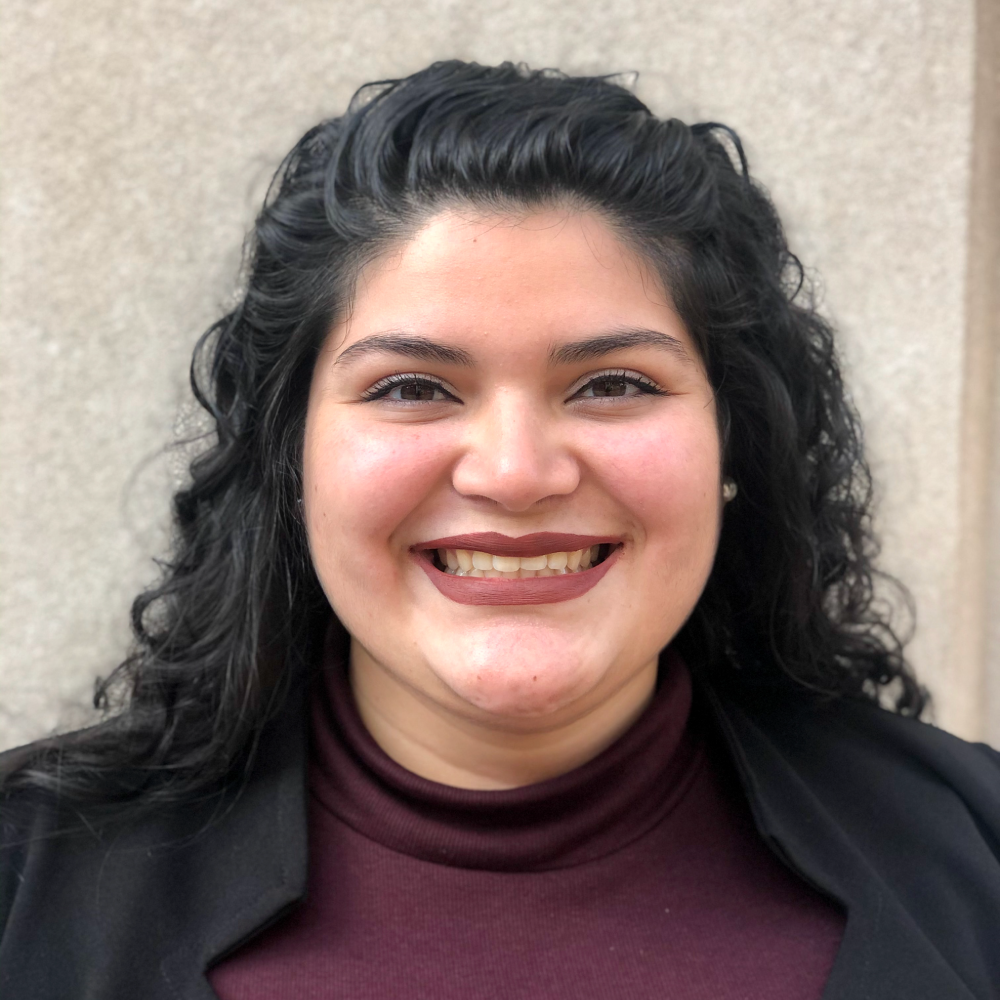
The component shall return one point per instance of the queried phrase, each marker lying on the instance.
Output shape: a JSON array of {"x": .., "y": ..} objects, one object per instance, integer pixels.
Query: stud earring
[{"x": 729, "y": 489}]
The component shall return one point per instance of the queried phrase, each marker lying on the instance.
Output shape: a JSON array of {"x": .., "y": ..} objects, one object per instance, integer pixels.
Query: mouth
[{"x": 542, "y": 568}]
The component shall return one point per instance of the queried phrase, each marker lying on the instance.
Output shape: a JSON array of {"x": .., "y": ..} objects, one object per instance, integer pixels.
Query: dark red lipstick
[{"x": 533, "y": 590}]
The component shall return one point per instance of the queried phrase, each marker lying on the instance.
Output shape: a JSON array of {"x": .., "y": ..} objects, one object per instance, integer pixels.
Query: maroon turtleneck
[{"x": 637, "y": 875}]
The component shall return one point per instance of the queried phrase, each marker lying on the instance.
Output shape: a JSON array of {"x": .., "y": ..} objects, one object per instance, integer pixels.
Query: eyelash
[
  {"x": 646, "y": 385},
  {"x": 382, "y": 388}
]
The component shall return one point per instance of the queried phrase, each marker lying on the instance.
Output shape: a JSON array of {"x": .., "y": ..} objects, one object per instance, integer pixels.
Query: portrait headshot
[{"x": 500, "y": 501}]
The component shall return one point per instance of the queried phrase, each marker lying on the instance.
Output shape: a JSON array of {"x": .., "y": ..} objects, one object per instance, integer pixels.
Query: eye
[
  {"x": 408, "y": 388},
  {"x": 619, "y": 384}
]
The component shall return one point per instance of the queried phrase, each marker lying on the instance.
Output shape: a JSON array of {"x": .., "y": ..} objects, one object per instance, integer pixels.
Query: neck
[{"x": 474, "y": 751}]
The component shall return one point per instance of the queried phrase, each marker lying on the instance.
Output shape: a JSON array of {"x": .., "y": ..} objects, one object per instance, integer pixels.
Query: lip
[
  {"x": 539, "y": 543},
  {"x": 543, "y": 590}
]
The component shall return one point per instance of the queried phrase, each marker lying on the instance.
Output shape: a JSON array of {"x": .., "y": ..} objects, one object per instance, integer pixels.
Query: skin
[{"x": 514, "y": 441}]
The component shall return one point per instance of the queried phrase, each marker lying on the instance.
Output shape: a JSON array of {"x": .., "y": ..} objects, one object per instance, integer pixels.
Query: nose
[{"x": 513, "y": 456}]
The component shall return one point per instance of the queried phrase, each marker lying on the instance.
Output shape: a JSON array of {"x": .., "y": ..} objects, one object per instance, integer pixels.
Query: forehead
[
  {"x": 462, "y": 241},
  {"x": 539, "y": 275}
]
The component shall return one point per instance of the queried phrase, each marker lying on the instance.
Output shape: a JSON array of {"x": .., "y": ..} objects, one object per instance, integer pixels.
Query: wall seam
[{"x": 976, "y": 638}]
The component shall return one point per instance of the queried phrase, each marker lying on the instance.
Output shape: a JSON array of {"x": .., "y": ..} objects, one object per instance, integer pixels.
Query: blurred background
[{"x": 136, "y": 142}]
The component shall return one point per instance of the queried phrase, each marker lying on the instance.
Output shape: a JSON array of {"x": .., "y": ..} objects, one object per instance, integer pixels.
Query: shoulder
[
  {"x": 82, "y": 885},
  {"x": 34, "y": 821},
  {"x": 850, "y": 741},
  {"x": 27, "y": 817},
  {"x": 85, "y": 884},
  {"x": 900, "y": 804},
  {"x": 870, "y": 763},
  {"x": 853, "y": 736},
  {"x": 897, "y": 788},
  {"x": 897, "y": 819},
  {"x": 50, "y": 844},
  {"x": 907, "y": 783}
]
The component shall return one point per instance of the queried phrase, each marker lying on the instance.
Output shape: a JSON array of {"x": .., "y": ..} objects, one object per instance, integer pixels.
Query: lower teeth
[{"x": 523, "y": 574}]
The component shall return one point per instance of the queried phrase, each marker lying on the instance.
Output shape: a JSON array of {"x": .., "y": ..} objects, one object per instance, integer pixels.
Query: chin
[{"x": 519, "y": 673}]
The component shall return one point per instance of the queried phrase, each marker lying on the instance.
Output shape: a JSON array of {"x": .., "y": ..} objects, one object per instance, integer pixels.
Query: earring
[{"x": 729, "y": 489}]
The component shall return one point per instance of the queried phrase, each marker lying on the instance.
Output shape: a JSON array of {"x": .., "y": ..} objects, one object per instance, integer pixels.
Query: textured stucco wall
[{"x": 136, "y": 139}]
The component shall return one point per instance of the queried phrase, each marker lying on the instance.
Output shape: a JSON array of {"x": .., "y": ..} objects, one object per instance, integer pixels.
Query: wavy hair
[{"x": 238, "y": 612}]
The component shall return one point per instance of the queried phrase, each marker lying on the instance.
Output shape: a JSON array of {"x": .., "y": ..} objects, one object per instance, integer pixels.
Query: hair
[{"x": 239, "y": 614}]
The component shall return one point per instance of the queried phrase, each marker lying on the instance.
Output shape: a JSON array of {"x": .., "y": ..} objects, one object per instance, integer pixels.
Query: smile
[
  {"x": 462, "y": 562},
  {"x": 543, "y": 568}
]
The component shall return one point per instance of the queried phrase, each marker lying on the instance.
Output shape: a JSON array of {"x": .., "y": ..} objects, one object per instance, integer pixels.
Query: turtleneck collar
[{"x": 585, "y": 814}]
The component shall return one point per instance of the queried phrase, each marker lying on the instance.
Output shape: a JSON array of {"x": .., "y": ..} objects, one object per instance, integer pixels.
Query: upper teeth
[{"x": 464, "y": 562}]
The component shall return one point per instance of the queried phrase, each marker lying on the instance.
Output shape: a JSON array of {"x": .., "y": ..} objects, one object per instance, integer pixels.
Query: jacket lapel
[
  {"x": 884, "y": 952},
  {"x": 248, "y": 875}
]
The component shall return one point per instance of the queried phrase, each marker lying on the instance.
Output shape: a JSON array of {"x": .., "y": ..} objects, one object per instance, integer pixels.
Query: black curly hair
[{"x": 238, "y": 613}]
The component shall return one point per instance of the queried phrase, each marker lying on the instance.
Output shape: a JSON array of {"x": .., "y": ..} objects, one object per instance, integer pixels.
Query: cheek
[
  {"x": 666, "y": 475},
  {"x": 361, "y": 481}
]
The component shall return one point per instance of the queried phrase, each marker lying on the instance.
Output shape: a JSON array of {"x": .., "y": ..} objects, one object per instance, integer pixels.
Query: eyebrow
[
  {"x": 619, "y": 340},
  {"x": 424, "y": 349},
  {"x": 412, "y": 347}
]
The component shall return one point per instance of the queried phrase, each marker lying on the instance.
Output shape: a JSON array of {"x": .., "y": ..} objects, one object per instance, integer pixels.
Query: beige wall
[
  {"x": 982, "y": 395},
  {"x": 137, "y": 137}
]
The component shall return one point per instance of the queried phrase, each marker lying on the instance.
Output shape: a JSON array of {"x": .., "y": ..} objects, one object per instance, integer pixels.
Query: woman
[{"x": 520, "y": 636}]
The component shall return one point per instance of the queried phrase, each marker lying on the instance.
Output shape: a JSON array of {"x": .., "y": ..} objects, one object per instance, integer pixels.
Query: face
[{"x": 511, "y": 467}]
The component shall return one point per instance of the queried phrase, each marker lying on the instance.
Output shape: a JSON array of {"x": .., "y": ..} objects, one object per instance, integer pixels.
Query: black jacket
[{"x": 897, "y": 820}]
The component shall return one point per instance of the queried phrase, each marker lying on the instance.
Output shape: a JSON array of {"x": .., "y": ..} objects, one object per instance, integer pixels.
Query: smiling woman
[
  {"x": 535, "y": 500},
  {"x": 579, "y": 448}
]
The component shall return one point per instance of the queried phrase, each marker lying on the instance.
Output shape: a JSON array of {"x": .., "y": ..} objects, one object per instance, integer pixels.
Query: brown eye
[
  {"x": 419, "y": 392},
  {"x": 408, "y": 389},
  {"x": 617, "y": 385},
  {"x": 609, "y": 387}
]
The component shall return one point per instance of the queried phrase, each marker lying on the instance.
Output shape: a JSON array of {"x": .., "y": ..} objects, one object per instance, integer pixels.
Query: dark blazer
[{"x": 897, "y": 820}]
